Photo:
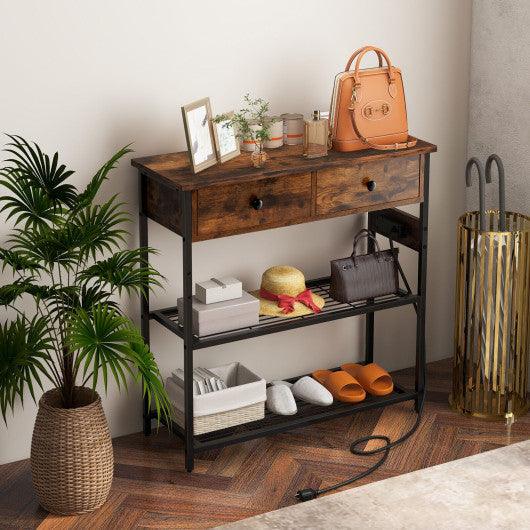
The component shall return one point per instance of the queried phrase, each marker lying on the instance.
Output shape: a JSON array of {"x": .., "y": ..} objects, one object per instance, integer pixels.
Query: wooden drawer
[
  {"x": 227, "y": 209},
  {"x": 397, "y": 180}
]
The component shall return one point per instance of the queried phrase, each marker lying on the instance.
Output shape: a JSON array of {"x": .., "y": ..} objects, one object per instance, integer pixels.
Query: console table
[{"x": 235, "y": 198}]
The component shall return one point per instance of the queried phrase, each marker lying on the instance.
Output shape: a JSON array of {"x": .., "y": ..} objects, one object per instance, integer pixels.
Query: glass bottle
[{"x": 316, "y": 136}]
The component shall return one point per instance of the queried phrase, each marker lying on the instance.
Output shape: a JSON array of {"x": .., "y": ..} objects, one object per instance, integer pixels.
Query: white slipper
[
  {"x": 284, "y": 383},
  {"x": 280, "y": 400},
  {"x": 311, "y": 391}
]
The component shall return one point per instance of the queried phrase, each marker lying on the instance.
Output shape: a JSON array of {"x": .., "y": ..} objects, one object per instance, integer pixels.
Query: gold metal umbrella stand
[{"x": 490, "y": 364}]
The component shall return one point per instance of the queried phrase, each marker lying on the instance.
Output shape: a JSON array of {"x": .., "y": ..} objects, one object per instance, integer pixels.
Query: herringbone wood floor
[{"x": 151, "y": 490}]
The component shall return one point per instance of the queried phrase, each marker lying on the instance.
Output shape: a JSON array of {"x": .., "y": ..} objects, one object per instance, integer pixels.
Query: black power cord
[{"x": 308, "y": 494}]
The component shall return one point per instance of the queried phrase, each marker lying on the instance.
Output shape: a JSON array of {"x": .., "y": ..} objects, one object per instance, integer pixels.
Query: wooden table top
[{"x": 174, "y": 168}]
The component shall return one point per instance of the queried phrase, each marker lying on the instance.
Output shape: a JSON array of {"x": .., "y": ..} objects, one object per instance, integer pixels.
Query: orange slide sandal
[
  {"x": 343, "y": 386},
  {"x": 374, "y": 379}
]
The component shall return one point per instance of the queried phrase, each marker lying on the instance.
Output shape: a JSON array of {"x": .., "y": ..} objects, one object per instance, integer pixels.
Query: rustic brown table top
[{"x": 174, "y": 168}]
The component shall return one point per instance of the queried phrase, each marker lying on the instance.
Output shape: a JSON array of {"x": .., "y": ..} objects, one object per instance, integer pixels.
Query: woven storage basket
[
  {"x": 223, "y": 420},
  {"x": 71, "y": 454},
  {"x": 242, "y": 402}
]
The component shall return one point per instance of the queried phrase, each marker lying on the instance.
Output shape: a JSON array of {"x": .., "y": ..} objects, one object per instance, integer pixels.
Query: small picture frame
[
  {"x": 226, "y": 142},
  {"x": 197, "y": 118}
]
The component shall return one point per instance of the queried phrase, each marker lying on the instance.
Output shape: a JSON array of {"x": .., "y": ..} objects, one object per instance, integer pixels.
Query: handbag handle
[
  {"x": 348, "y": 65},
  {"x": 357, "y": 52},
  {"x": 380, "y": 52},
  {"x": 360, "y": 235}
]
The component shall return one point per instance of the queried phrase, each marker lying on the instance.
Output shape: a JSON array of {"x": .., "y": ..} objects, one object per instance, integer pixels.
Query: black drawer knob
[
  {"x": 371, "y": 185},
  {"x": 256, "y": 203}
]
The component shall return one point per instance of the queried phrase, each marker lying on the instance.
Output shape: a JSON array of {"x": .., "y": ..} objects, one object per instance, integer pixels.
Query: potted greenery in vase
[
  {"x": 65, "y": 257},
  {"x": 252, "y": 126}
]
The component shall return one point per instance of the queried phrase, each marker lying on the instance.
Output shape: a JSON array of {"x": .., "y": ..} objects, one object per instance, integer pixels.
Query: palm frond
[
  {"x": 86, "y": 198},
  {"x": 63, "y": 301},
  {"x": 101, "y": 339},
  {"x": 126, "y": 270},
  {"x": 97, "y": 227},
  {"x": 18, "y": 261},
  {"x": 10, "y": 292},
  {"x": 41, "y": 172},
  {"x": 92, "y": 296},
  {"x": 25, "y": 347},
  {"x": 106, "y": 341},
  {"x": 28, "y": 204},
  {"x": 152, "y": 382},
  {"x": 47, "y": 245}
]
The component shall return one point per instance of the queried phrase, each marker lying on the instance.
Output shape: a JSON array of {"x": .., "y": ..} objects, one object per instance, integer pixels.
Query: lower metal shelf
[
  {"x": 306, "y": 415},
  {"x": 333, "y": 310}
]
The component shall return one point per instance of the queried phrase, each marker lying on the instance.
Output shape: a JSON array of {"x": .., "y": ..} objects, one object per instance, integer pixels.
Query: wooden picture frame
[
  {"x": 197, "y": 117},
  {"x": 226, "y": 142}
]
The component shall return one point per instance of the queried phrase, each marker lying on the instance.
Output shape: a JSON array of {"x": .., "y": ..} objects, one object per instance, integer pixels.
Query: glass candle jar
[{"x": 316, "y": 132}]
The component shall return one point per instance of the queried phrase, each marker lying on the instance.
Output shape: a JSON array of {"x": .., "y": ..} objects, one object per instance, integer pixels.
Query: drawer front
[
  {"x": 162, "y": 204},
  {"x": 235, "y": 208},
  {"x": 362, "y": 186}
]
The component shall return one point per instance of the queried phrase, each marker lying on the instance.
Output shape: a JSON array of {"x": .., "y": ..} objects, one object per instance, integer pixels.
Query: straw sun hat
[{"x": 281, "y": 288}]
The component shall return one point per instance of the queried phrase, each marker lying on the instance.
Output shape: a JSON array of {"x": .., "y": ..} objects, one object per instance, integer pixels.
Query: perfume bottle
[{"x": 316, "y": 136}]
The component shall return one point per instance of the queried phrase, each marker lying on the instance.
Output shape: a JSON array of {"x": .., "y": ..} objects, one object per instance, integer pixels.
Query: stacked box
[{"x": 208, "y": 319}]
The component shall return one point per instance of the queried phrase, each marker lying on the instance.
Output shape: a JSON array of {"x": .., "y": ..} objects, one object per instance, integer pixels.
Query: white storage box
[
  {"x": 208, "y": 319},
  {"x": 218, "y": 290},
  {"x": 242, "y": 402}
]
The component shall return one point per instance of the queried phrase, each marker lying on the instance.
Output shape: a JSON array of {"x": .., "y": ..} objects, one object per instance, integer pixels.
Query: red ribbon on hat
[{"x": 286, "y": 302}]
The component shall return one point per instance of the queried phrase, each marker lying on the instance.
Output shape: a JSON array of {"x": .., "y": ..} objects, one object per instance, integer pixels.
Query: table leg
[
  {"x": 422, "y": 287},
  {"x": 187, "y": 322},
  {"x": 144, "y": 300}
]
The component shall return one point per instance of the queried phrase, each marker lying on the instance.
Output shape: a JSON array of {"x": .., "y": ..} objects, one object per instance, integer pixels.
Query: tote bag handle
[
  {"x": 361, "y": 235},
  {"x": 380, "y": 53},
  {"x": 356, "y": 53}
]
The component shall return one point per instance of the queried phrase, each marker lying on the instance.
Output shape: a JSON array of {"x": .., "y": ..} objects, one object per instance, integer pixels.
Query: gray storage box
[
  {"x": 218, "y": 290},
  {"x": 208, "y": 319}
]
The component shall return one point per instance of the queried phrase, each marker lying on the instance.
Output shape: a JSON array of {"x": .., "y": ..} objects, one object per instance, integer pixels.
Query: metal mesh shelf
[
  {"x": 306, "y": 415},
  {"x": 332, "y": 310}
]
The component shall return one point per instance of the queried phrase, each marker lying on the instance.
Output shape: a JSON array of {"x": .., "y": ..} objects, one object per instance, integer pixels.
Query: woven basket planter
[{"x": 71, "y": 454}]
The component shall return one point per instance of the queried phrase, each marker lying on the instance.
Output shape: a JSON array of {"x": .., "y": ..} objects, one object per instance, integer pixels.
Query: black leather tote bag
[{"x": 359, "y": 277}]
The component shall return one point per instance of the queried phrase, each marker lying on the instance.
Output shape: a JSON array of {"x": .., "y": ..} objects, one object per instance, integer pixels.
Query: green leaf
[
  {"x": 36, "y": 170},
  {"x": 89, "y": 194},
  {"x": 47, "y": 245},
  {"x": 25, "y": 347},
  {"x": 28, "y": 204},
  {"x": 62, "y": 301},
  {"x": 106, "y": 340},
  {"x": 10, "y": 292},
  {"x": 101, "y": 337},
  {"x": 97, "y": 228},
  {"x": 91, "y": 296},
  {"x": 152, "y": 383},
  {"x": 127, "y": 270},
  {"x": 18, "y": 261}
]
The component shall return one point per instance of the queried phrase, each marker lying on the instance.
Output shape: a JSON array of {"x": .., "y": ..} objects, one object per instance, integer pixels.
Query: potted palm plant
[{"x": 67, "y": 330}]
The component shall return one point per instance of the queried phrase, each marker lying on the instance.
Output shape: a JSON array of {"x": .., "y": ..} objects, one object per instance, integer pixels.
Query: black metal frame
[
  {"x": 144, "y": 301},
  {"x": 378, "y": 221}
]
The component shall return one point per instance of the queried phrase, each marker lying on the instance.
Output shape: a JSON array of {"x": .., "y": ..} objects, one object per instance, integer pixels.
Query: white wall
[
  {"x": 87, "y": 78},
  {"x": 499, "y": 117}
]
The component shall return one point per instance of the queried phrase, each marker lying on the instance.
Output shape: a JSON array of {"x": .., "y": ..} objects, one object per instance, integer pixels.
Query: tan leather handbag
[{"x": 368, "y": 107}]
